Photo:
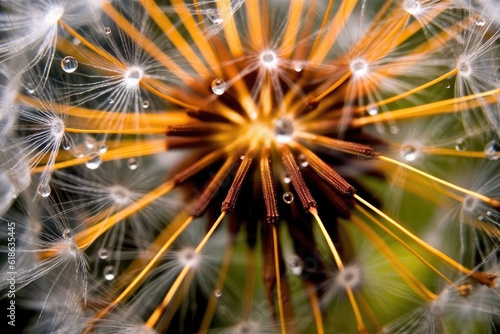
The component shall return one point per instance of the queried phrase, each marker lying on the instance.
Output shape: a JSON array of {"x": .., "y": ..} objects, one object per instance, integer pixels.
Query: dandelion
[{"x": 252, "y": 166}]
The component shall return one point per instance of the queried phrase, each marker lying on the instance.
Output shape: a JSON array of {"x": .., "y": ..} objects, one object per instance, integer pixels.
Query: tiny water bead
[
  {"x": 283, "y": 129},
  {"x": 372, "y": 110},
  {"x": 295, "y": 264},
  {"x": 68, "y": 234},
  {"x": 288, "y": 197},
  {"x": 359, "y": 67},
  {"x": 145, "y": 104},
  {"x": 303, "y": 161},
  {"x": 460, "y": 145},
  {"x": 480, "y": 22},
  {"x": 107, "y": 31},
  {"x": 103, "y": 148},
  {"x": 299, "y": 66},
  {"x": 66, "y": 144},
  {"x": 287, "y": 179},
  {"x": 103, "y": 253},
  {"x": 218, "y": 293},
  {"x": 109, "y": 273},
  {"x": 94, "y": 160},
  {"x": 132, "y": 163},
  {"x": 409, "y": 153},
  {"x": 44, "y": 190},
  {"x": 69, "y": 64},
  {"x": 219, "y": 86},
  {"x": 90, "y": 142},
  {"x": 492, "y": 150},
  {"x": 214, "y": 16}
]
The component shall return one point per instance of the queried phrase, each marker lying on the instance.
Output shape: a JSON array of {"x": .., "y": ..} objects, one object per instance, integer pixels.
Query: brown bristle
[
  {"x": 266, "y": 175},
  {"x": 229, "y": 203}
]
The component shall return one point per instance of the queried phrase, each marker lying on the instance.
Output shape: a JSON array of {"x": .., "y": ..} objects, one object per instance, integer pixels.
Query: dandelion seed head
[
  {"x": 57, "y": 128},
  {"x": 133, "y": 76},
  {"x": 119, "y": 195},
  {"x": 269, "y": 59},
  {"x": 413, "y": 7},
  {"x": 188, "y": 257},
  {"x": 54, "y": 14},
  {"x": 283, "y": 129},
  {"x": 351, "y": 276},
  {"x": 359, "y": 67}
]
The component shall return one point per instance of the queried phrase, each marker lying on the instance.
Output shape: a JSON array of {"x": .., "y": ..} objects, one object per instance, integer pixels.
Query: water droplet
[
  {"x": 295, "y": 264},
  {"x": 44, "y": 190},
  {"x": 103, "y": 148},
  {"x": 448, "y": 86},
  {"x": 65, "y": 144},
  {"x": 298, "y": 66},
  {"x": 94, "y": 161},
  {"x": 90, "y": 142},
  {"x": 287, "y": 179},
  {"x": 145, "y": 104},
  {"x": 283, "y": 129},
  {"x": 103, "y": 253},
  {"x": 111, "y": 100},
  {"x": 219, "y": 86},
  {"x": 107, "y": 31},
  {"x": 269, "y": 59},
  {"x": 242, "y": 157},
  {"x": 372, "y": 110},
  {"x": 394, "y": 129},
  {"x": 67, "y": 234},
  {"x": 214, "y": 16},
  {"x": 133, "y": 76},
  {"x": 288, "y": 197},
  {"x": 303, "y": 160},
  {"x": 492, "y": 150},
  {"x": 75, "y": 41},
  {"x": 132, "y": 163},
  {"x": 409, "y": 153},
  {"x": 481, "y": 22},
  {"x": 69, "y": 64},
  {"x": 109, "y": 273},
  {"x": 460, "y": 145},
  {"x": 218, "y": 293},
  {"x": 78, "y": 153}
]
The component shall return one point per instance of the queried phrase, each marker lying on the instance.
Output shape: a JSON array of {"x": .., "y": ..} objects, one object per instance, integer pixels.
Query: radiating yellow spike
[{"x": 279, "y": 295}]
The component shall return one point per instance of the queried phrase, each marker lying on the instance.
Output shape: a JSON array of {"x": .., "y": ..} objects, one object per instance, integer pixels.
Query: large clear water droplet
[
  {"x": 492, "y": 150},
  {"x": 44, "y": 190},
  {"x": 288, "y": 197},
  {"x": 219, "y": 86},
  {"x": 94, "y": 161},
  {"x": 69, "y": 64},
  {"x": 65, "y": 144}
]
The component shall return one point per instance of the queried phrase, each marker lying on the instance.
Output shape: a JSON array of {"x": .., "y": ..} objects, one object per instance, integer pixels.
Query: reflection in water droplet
[
  {"x": 409, "y": 153},
  {"x": 109, "y": 273},
  {"x": 103, "y": 253},
  {"x": 218, "y": 293},
  {"x": 219, "y": 86},
  {"x": 132, "y": 163},
  {"x": 460, "y": 145},
  {"x": 94, "y": 161},
  {"x": 283, "y": 129},
  {"x": 295, "y": 264},
  {"x": 67, "y": 234},
  {"x": 288, "y": 197},
  {"x": 69, "y": 64},
  {"x": 492, "y": 150},
  {"x": 44, "y": 190},
  {"x": 145, "y": 104},
  {"x": 107, "y": 30}
]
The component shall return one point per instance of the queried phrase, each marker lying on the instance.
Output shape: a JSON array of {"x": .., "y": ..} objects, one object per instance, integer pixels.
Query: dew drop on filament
[
  {"x": 303, "y": 161},
  {"x": 219, "y": 86},
  {"x": 132, "y": 163},
  {"x": 492, "y": 150},
  {"x": 460, "y": 145},
  {"x": 65, "y": 144},
  {"x": 67, "y": 234},
  {"x": 94, "y": 161},
  {"x": 409, "y": 153},
  {"x": 69, "y": 64},
  {"x": 218, "y": 293},
  {"x": 214, "y": 16},
  {"x": 295, "y": 264},
  {"x": 288, "y": 197},
  {"x": 44, "y": 190},
  {"x": 103, "y": 253},
  {"x": 107, "y": 31},
  {"x": 145, "y": 104},
  {"x": 109, "y": 273}
]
